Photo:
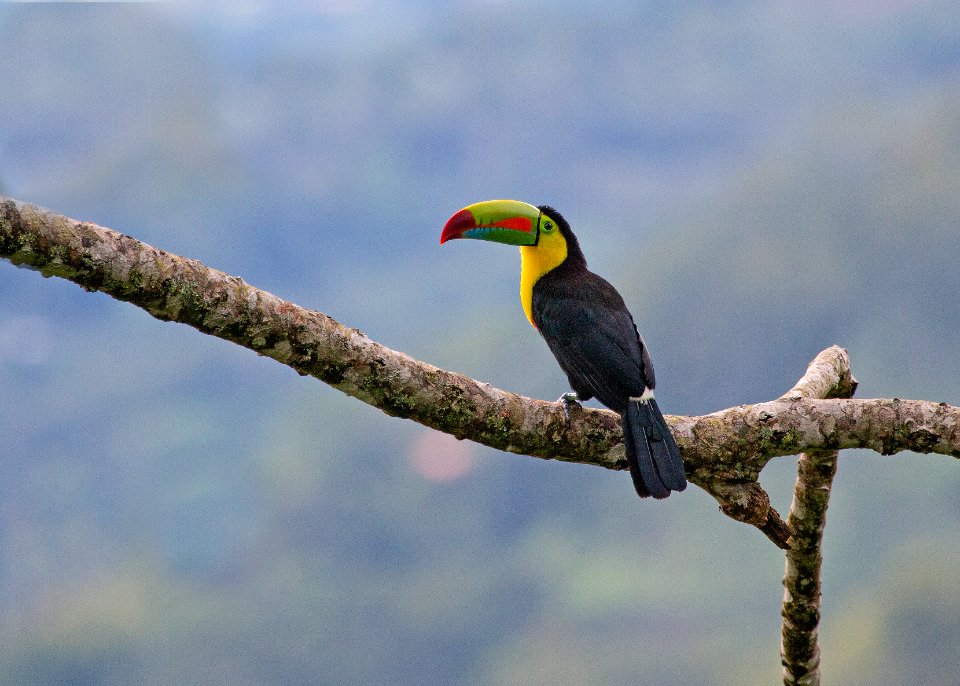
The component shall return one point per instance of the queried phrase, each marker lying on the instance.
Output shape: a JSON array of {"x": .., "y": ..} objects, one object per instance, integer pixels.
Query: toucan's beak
[{"x": 504, "y": 221}]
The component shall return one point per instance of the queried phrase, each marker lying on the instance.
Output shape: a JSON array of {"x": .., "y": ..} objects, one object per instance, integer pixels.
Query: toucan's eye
[{"x": 548, "y": 226}]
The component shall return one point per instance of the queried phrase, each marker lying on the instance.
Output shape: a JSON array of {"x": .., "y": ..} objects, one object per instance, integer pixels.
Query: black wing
[{"x": 591, "y": 333}]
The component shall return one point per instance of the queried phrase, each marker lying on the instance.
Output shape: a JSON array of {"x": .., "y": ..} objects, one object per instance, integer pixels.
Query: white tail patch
[{"x": 647, "y": 395}]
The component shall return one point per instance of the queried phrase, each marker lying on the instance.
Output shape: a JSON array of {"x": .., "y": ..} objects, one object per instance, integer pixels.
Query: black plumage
[{"x": 593, "y": 336}]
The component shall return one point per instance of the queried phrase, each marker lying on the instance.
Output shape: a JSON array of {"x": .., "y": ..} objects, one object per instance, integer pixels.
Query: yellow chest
[{"x": 535, "y": 261}]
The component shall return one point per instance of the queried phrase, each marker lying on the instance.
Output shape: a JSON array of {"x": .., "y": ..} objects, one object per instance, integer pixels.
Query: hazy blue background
[{"x": 760, "y": 180}]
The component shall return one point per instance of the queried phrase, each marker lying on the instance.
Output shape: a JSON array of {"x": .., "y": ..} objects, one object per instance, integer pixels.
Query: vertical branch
[
  {"x": 828, "y": 376},
  {"x": 799, "y": 646}
]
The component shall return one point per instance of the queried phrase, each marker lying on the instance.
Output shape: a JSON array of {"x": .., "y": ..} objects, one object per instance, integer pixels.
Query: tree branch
[
  {"x": 827, "y": 376},
  {"x": 724, "y": 452},
  {"x": 799, "y": 647}
]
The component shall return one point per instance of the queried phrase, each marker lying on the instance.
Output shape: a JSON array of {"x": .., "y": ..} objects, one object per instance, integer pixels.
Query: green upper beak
[{"x": 504, "y": 221}]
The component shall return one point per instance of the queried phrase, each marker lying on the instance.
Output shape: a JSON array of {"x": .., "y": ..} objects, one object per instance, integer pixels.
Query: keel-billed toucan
[{"x": 588, "y": 328}]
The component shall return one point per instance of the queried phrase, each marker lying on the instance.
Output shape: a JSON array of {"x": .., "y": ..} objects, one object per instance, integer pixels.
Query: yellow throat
[{"x": 535, "y": 261}]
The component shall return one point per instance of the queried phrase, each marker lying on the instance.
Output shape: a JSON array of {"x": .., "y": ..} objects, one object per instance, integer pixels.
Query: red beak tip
[{"x": 457, "y": 224}]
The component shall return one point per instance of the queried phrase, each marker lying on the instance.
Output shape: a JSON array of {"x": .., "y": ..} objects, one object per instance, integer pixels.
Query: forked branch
[{"x": 828, "y": 376}]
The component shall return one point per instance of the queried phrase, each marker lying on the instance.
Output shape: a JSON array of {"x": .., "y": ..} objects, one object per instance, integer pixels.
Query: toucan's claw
[{"x": 569, "y": 400}]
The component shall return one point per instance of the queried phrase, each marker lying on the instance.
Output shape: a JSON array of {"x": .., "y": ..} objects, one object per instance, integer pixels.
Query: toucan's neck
[{"x": 557, "y": 250}]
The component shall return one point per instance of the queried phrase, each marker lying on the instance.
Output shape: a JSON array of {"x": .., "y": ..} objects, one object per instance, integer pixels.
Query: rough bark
[
  {"x": 828, "y": 376},
  {"x": 724, "y": 452},
  {"x": 799, "y": 644}
]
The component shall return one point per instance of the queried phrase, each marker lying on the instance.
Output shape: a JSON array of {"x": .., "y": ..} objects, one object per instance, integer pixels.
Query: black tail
[{"x": 654, "y": 458}]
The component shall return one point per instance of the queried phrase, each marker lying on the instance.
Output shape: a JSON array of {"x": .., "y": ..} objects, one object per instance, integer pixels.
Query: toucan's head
[
  {"x": 544, "y": 237},
  {"x": 512, "y": 222}
]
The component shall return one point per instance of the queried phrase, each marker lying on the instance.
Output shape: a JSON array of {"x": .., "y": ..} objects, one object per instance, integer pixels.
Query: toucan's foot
[{"x": 569, "y": 400}]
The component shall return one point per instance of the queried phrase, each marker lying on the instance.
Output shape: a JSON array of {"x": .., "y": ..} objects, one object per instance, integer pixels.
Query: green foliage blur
[{"x": 759, "y": 180}]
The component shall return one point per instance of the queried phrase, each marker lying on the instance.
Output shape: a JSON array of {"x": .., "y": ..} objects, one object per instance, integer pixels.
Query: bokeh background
[{"x": 760, "y": 180}]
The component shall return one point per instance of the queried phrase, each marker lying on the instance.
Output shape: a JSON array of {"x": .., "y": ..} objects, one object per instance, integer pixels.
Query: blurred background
[{"x": 759, "y": 180}]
